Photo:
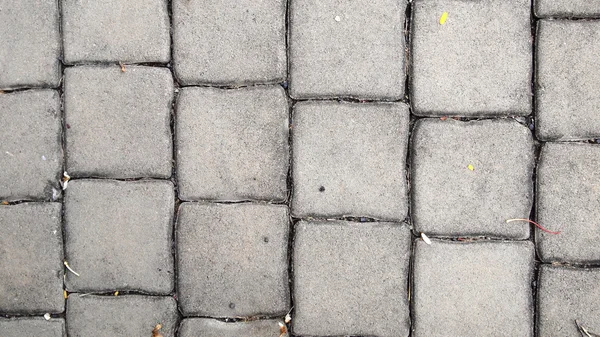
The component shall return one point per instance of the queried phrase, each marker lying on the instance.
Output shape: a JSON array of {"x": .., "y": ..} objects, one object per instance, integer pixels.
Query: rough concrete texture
[
  {"x": 567, "y": 8},
  {"x": 349, "y": 159},
  {"x": 472, "y": 289},
  {"x": 123, "y": 315},
  {"x": 450, "y": 199},
  {"x": 565, "y": 295},
  {"x": 31, "y": 267},
  {"x": 232, "y": 260},
  {"x": 568, "y": 200},
  {"x": 225, "y": 42},
  {"x": 206, "y": 327},
  {"x": 32, "y": 327},
  {"x": 568, "y": 80},
  {"x": 351, "y": 279},
  {"x": 347, "y": 48},
  {"x": 478, "y": 63},
  {"x": 118, "y": 123},
  {"x": 232, "y": 144},
  {"x": 113, "y": 30},
  {"x": 118, "y": 235},
  {"x": 30, "y": 144},
  {"x": 29, "y": 44}
]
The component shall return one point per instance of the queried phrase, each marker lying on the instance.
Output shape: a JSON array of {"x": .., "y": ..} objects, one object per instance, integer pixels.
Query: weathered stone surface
[
  {"x": 567, "y": 8},
  {"x": 207, "y": 327},
  {"x": 32, "y": 327}
]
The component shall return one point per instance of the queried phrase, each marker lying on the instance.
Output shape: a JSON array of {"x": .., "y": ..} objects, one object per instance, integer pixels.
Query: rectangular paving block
[
  {"x": 232, "y": 144},
  {"x": 349, "y": 159},
  {"x": 568, "y": 200},
  {"x": 567, "y": 79},
  {"x": 32, "y": 327},
  {"x": 124, "y": 315},
  {"x": 207, "y": 327},
  {"x": 29, "y": 44},
  {"x": 118, "y": 123},
  {"x": 232, "y": 259},
  {"x": 229, "y": 43},
  {"x": 468, "y": 178},
  {"x": 476, "y": 63},
  {"x": 565, "y": 296},
  {"x": 347, "y": 49},
  {"x": 479, "y": 288},
  {"x": 567, "y": 8},
  {"x": 31, "y": 153},
  {"x": 118, "y": 235},
  {"x": 113, "y": 30},
  {"x": 31, "y": 263}
]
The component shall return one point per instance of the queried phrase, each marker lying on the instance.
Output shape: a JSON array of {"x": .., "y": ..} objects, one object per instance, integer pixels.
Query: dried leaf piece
[
  {"x": 116, "y": 293},
  {"x": 535, "y": 223},
  {"x": 288, "y": 318},
  {"x": 444, "y": 118},
  {"x": 282, "y": 330},
  {"x": 443, "y": 18},
  {"x": 65, "y": 294},
  {"x": 425, "y": 238},
  {"x": 65, "y": 180},
  {"x": 4, "y": 202},
  {"x": 155, "y": 332},
  {"x": 122, "y": 67}
]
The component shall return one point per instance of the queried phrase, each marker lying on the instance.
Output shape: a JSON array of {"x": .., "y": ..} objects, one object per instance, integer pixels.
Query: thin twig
[
  {"x": 71, "y": 270},
  {"x": 535, "y": 223}
]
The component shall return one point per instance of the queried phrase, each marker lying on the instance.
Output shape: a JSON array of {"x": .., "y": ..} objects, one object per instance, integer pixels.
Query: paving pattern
[{"x": 267, "y": 168}]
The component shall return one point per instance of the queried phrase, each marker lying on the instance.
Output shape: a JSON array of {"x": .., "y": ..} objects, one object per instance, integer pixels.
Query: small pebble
[
  {"x": 47, "y": 316},
  {"x": 338, "y": 19}
]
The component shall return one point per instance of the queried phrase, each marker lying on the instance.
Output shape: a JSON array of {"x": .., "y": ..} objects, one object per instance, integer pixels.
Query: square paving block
[
  {"x": 468, "y": 178},
  {"x": 473, "y": 289},
  {"x": 567, "y": 8},
  {"x": 118, "y": 123},
  {"x": 32, "y": 327},
  {"x": 477, "y": 63},
  {"x": 207, "y": 327},
  {"x": 31, "y": 153},
  {"x": 232, "y": 260},
  {"x": 119, "y": 235},
  {"x": 232, "y": 144},
  {"x": 349, "y": 159},
  {"x": 31, "y": 263},
  {"x": 229, "y": 42},
  {"x": 347, "y": 49}
]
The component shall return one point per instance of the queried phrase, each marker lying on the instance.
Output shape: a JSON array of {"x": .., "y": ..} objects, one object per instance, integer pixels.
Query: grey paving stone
[
  {"x": 565, "y": 295},
  {"x": 347, "y": 48},
  {"x": 232, "y": 260},
  {"x": 118, "y": 235},
  {"x": 128, "y": 315},
  {"x": 118, "y": 123},
  {"x": 472, "y": 289},
  {"x": 206, "y": 327},
  {"x": 568, "y": 79},
  {"x": 31, "y": 267},
  {"x": 29, "y": 44},
  {"x": 351, "y": 279},
  {"x": 568, "y": 200},
  {"x": 570, "y": 8},
  {"x": 450, "y": 199},
  {"x": 476, "y": 64},
  {"x": 31, "y": 154},
  {"x": 349, "y": 159},
  {"x": 234, "y": 43},
  {"x": 232, "y": 144},
  {"x": 32, "y": 327}
]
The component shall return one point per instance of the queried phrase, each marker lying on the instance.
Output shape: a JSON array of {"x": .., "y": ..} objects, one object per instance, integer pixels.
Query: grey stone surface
[
  {"x": 127, "y": 315},
  {"x": 347, "y": 48},
  {"x": 472, "y": 289},
  {"x": 32, "y": 327},
  {"x": 113, "y": 30},
  {"x": 351, "y": 279},
  {"x": 567, "y": 79},
  {"x": 118, "y": 123},
  {"x": 449, "y": 199},
  {"x": 568, "y": 8},
  {"x": 31, "y": 263},
  {"x": 29, "y": 44},
  {"x": 232, "y": 144},
  {"x": 232, "y": 259},
  {"x": 224, "y": 42},
  {"x": 568, "y": 200},
  {"x": 118, "y": 235},
  {"x": 349, "y": 159},
  {"x": 565, "y": 295},
  {"x": 476, "y": 64},
  {"x": 31, "y": 154},
  {"x": 206, "y": 327}
]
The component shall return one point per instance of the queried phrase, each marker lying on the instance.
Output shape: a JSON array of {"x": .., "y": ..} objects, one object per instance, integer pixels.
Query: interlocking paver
[
  {"x": 351, "y": 279},
  {"x": 224, "y": 42},
  {"x": 31, "y": 263},
  {"x": 118, "y": 123},
  {"x": 232, "y": 144},
  {"x": 32, "y": 327},
  {"x": 349, "y": 159},
  {"x": 232, "y": 259},
  {"x": 473, "y": 289},
  {"x": 567, "y": 8},
  {"x": 347, "y": 48},
  {"x": 206, "y": 327},
  {"x": 478, "y": 63},
  {"x": 118, "y": 235},
  {"x": 30, "y": 142}
]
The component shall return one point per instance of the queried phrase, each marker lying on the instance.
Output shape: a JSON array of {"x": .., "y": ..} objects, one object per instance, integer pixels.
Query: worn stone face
[
  {"x": 32, "y": 327},
  {"x": 567, "y": 9},
  {"x": 207, "y": 327}
]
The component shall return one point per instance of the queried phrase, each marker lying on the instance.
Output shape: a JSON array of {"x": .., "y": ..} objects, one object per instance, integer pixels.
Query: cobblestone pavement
[{"x": 206, "y": 168}]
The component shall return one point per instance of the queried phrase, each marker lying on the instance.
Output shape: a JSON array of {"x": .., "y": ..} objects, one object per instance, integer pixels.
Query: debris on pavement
[
  {"x": 425, "y": 238},
  {"x": 47, "y": 316},
  {"x": 71, "y": 270},
  {"x": 535, "y": 223},
  {"x": 471, "y": 167},
  {"x": 122, "y": 67},
  {"x": 155, "y": 332},
  {"x": 443, "y": 18},
  {"x": 65, "y": 180}
]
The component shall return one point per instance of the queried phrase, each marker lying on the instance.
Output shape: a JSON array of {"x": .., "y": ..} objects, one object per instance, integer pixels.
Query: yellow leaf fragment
[
  {"x": 471, "y": 167},
  {"x": 443, "y": 18},
  {"x": 65, "y": 294},
  {"x": 117, "y": 293}
]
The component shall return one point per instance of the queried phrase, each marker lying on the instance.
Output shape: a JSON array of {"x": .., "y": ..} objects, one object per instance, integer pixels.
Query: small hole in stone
[
  {"x": 232, "y": 305},
  {"x": 322, "y": 189},
  {"x": 265, "y": 238}
]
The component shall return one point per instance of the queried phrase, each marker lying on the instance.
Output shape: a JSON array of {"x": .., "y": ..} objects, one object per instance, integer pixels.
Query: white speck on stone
[
  {"x": 55, "y": 194},
  {"x": 47, "y": 316},
  {"x": 425, "y": 238},
  {"x": 337, "y": 18},
  {"x": 43, "y": 157}
]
